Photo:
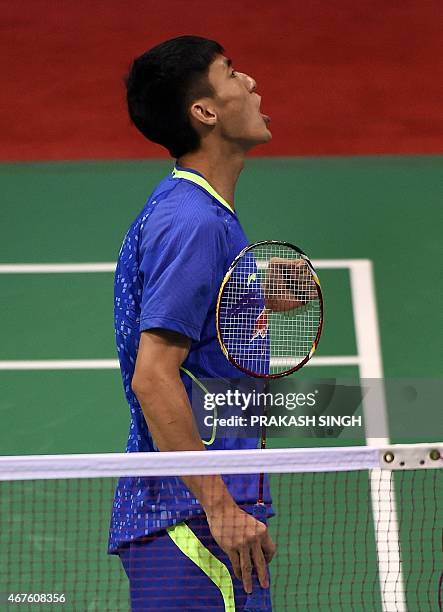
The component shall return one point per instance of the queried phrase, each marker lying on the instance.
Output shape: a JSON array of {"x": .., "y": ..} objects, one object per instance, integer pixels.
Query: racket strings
[{"x": 270, "y": 309}]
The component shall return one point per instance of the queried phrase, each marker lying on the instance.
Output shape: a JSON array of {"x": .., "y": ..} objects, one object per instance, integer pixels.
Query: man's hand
[
  {"x": 245, "y": 540},
  {"x": 288, "y": 285}
]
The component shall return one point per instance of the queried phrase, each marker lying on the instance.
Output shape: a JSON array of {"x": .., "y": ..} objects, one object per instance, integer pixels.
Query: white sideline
[{"x": 384, "y": 508}]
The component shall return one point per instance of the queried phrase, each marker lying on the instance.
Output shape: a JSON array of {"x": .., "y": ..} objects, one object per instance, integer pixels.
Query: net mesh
[
  {"x": 336, "y": 534},
  {"x": 270, "y": 309}
]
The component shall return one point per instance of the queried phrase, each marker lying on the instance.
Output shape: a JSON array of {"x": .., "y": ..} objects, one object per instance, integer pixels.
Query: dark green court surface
[{"x": 385, "y": 209}]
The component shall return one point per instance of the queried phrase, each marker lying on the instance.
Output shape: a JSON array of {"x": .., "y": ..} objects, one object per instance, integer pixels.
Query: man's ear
[{"x": 203, "y": 111}]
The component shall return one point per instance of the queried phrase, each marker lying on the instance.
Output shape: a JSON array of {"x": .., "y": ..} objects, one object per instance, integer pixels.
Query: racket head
[{"x": 269, "y": 313}]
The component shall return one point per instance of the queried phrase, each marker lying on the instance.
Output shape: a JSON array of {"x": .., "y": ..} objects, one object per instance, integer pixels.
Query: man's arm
[{"x": 165, "y": 404}]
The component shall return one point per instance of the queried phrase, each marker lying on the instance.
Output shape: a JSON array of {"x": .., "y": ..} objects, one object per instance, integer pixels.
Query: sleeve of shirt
[{"x": 182, "y": 266}]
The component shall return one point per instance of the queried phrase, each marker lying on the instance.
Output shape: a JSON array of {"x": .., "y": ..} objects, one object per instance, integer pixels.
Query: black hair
[{"x": 161, "y": 85}]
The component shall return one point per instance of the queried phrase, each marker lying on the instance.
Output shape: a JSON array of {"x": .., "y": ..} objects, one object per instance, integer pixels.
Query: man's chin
[
  {"x": 258, "y": 139},
  {"x": 263, "y": 138}
]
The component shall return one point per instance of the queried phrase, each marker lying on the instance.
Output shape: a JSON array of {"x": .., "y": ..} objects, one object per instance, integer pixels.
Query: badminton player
[{"x": 185, "y": 544}]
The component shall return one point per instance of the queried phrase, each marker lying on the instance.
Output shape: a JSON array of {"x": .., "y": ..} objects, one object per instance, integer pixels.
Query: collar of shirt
[{"x": 195, "y": 177}]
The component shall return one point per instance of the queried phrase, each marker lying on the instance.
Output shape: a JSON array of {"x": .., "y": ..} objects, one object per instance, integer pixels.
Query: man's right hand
[{"x": 245, "y": 540}]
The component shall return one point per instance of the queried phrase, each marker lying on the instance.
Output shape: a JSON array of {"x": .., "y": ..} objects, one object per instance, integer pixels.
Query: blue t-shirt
[{"x": 169, "y": 270}]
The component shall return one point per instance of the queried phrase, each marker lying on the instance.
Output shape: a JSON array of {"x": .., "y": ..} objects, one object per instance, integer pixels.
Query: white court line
[
  {"x": 384, "y": 508},
  {"x": 56, "y": 268},
  {"x": 66, "y": 268},
  {"x": 112, "y": 364},
  {"x": 333, "y": 264},
  {"x": 326, "y": 360},
  {"x": 367, "y": 338},
  {"x": 60, "y": 364}
]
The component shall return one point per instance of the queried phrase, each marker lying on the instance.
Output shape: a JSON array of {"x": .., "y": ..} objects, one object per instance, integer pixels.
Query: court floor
[
  {"x": 372, "y": 224},
  {"x": 345, "y": 212}
]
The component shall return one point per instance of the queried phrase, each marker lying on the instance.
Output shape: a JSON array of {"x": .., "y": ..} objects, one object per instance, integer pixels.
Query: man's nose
[{"x": 250, "y": 82}]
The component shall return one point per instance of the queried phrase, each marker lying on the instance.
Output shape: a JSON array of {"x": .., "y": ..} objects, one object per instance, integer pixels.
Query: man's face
[{"x": 237, "y": 105}]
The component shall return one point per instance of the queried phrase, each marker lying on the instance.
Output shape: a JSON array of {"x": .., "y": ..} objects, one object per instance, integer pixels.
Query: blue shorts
[{"x": 183, "y": 568}]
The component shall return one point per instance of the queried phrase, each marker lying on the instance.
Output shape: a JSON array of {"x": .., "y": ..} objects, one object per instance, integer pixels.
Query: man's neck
[{"x": 220, "y": 168}]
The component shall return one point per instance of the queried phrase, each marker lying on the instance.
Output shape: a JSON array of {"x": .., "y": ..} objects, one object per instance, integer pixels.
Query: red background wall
[{"x": 342, "y": 77}]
